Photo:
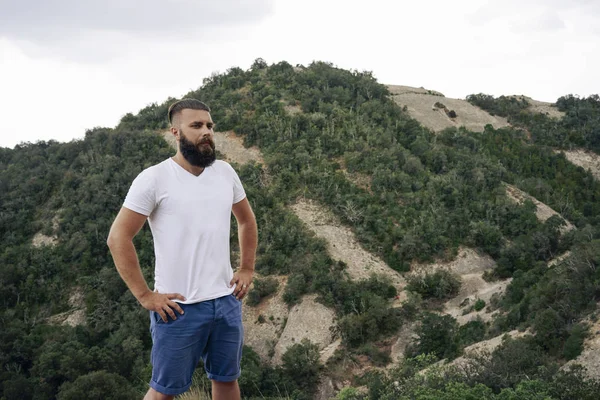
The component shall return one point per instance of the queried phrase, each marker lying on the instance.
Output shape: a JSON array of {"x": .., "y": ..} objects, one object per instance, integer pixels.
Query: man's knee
[
  {"x": 225, "y": 384},
  {"x": 154, "y": 395}
]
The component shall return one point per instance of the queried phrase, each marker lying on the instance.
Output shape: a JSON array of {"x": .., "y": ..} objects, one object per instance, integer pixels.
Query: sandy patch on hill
[
  {"x": 405, "y": 337},
  {"x": 543, "y": 212},
  {"x": 420, "y": 104},
  {"x": 328, "y": 351},
  {"x": 484, "y": 348},
  {"x": 559, "y": 259},
  {"x": 396, "y": 90},
  {"x": 343, "y": 245},
  {"x": 39, "y": 239},
  {"x": 492, "y": 344},
  {"x": 76, "y": 315},
  {"x": 325, "y": 390},
  {"x": 292, "y": 110},
  {"x": 474, "y": 288},
  {"x": 263, "y": 336},
  {"x": 542, "y": 107},
  {"x": 590, "y": 356},
  {"x": 470, "y": 266},
  {"x": 232, "y": 146},
  {"x": 585, "y": 159},
  {"x": 467, "y": 261},
  {"x": 307, "y": 320}
]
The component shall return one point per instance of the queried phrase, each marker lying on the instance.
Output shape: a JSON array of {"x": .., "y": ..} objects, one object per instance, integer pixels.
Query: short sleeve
[
  {"x": 141, "y": 197},
  {"x": 238, "y": 190}
]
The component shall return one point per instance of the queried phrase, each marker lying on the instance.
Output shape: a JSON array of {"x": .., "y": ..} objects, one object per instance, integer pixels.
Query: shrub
[
  {"x": 471, "y": 332},
  {"x": 574, "y": 344},
  {"x": 262, "y": 288},
  {"x": 378, "y": 358},
  {"x": 97, "y": 385},
  {"x": 436, "y": 335},
  {"x": 301, "y": 364},
  {"x": 441, "y": 284},
  {"x": 479, "y": 305}
]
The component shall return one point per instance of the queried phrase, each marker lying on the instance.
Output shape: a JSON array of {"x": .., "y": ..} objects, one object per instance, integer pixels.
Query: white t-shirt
[{"x": 190, "y": 221}]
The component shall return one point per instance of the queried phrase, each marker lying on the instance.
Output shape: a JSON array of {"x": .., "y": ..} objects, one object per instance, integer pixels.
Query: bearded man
[{"x": 195, "y": 307}]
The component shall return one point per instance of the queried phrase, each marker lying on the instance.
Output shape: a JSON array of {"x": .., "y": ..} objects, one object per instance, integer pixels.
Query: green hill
[{"x": 428, "y": 194}]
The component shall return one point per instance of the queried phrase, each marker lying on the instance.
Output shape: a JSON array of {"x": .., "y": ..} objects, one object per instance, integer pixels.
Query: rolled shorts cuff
[
  {"x": 222, "y": 378},
  {"x": 169, "y": 391}
]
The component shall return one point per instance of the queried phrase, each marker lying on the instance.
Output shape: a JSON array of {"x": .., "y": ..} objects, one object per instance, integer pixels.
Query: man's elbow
[
  {"x": 114, "y": 239},
  {"x": 110, "y": 241}
]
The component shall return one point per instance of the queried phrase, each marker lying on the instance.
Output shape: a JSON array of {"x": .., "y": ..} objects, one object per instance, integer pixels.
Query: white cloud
[{"x": 541, "y": 49}]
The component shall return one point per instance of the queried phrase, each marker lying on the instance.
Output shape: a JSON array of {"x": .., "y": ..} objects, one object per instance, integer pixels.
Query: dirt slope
[
  {"x": 585, "y": 159},
  {"x": 307, "y": 320},
  {"x": 39, "y": 239},
  {"x": 420, "y": 104},
  {"x": 543, "y": 212},
  {"x": 470, "y": 266},
  {"x": 262, "y": 334},
  {"x": 343, "y": 245},
  {"x": 590, "y": 357},
  {"x": 76, "y": 315},
  {"x": 542, "y": 107}
]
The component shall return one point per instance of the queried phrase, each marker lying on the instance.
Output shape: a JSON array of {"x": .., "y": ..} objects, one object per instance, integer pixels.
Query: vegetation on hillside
[
  {"x": 316, "y": 126},
  {"x": 579, "y": 127}
]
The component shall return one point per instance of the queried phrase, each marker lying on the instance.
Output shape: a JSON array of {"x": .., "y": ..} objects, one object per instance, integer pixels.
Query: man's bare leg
[
  {"x": 225, "y": 390},
  {"x": 154, "y": 395}
]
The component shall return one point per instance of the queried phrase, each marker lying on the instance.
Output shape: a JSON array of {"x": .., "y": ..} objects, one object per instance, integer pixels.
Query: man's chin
[{"x": 207, "y": 162}]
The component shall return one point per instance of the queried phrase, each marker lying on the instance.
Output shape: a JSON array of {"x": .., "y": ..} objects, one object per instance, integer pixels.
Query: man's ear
[{"x": 175, "y": 132}]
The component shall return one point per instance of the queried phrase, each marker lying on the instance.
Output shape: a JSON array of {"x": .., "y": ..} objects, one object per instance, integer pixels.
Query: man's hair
[{"x": 183, "y": 104}]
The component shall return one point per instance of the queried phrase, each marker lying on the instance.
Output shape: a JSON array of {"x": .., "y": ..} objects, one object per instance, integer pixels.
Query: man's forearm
[
  {"x": 248, "y": 237},
  {"x": 128, "y": 266}
]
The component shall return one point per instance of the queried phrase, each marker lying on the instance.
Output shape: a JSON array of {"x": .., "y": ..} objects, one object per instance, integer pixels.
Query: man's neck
[{"x": 192, "y": 169}]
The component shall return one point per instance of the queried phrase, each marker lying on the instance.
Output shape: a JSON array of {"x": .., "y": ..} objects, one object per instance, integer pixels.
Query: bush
[
  {"x": 98, "y": 385},
  {"x": 373, "y": 321},
  {"x": 479, "y": 305},
  {"x": 377, "y": 357},
  {"x": 302, "y": 365},
  {"x": 436, "y": 335},
  {"x": 471, "y": 332},
  {"x": 574, "y": 344},
  {"x": 441, "y": 284},
  {"x": 262, "y": 288}
]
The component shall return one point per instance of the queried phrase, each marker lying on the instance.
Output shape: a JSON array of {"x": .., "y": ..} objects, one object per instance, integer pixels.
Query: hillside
[
  {"x": 431, "y": 109},
  {"x": 384, "y": 247}
]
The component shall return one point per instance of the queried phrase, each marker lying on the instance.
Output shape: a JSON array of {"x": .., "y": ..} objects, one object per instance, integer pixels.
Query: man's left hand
[{"x": 242, "y": 279}]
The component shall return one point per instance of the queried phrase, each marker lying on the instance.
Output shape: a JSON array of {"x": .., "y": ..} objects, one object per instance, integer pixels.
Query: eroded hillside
[{"x": 433, "y": 110}]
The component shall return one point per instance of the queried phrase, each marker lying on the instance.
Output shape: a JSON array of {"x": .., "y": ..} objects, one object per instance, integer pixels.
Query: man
[{"x": 195, "y": 308}]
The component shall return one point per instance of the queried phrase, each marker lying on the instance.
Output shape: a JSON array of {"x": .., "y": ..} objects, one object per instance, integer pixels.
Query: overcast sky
[{"x": 71, "y": 65}]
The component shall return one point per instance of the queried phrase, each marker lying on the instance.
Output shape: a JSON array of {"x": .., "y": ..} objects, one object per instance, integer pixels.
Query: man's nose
[{"x": 206, "y": 132}]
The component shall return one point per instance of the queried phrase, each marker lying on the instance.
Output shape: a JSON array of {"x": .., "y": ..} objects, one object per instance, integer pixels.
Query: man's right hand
[{"x": 162, "y": 303}]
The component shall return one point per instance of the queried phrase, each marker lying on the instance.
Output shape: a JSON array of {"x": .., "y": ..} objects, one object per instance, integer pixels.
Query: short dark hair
[{"x": 183, "y": 104}]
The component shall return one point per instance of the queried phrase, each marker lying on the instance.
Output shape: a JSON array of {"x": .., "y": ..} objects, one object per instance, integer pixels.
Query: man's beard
[{"x": 199, "y": 156}]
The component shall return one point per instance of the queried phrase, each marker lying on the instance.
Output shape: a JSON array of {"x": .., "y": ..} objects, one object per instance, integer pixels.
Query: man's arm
[
  {"x": 248, "y": 238},
  {"x": 127, "y": 224}
]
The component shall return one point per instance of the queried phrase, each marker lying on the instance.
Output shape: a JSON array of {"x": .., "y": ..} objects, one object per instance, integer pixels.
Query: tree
[
  {"x": 301, "y": 364},
  {"x": 98, "y": 385}
]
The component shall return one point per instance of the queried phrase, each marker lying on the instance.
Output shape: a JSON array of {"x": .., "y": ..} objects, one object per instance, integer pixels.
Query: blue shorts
[{"x": 211, "y": 330}]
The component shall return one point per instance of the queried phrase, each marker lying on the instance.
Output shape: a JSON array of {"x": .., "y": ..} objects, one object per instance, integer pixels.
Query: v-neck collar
[{"x": 186, "y": 172}]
